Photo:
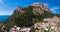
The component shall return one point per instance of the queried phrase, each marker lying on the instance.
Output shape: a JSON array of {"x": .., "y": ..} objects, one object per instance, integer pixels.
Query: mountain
[{"x": 29, "y": 15}]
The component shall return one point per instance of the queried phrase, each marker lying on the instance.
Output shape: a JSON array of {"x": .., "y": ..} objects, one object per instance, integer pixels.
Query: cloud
[
  {"x": 5, "y": 12},
  {"x": 1, "y": 2},
  {"x": 54, "y": 9},
  {"x": 46, "y": 4}
]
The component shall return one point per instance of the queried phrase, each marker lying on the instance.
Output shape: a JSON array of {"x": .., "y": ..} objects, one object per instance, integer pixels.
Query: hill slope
[{"x": 29, "y": 15}]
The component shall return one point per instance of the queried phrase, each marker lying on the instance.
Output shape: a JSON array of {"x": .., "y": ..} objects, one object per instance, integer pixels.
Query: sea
[{"x": 3, "y": 18}]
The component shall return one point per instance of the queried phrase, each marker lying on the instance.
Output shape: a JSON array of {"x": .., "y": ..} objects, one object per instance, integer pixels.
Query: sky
[{"x": 8, "y": 6}]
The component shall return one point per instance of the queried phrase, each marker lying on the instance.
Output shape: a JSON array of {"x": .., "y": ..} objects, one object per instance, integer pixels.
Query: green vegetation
[
  {"x": 28, "y": 18},
  {"x": 49, "y": 30}
]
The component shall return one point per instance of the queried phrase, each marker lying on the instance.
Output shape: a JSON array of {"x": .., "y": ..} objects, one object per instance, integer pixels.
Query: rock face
[
  {"x": 52, "y": 19},
  {"x": 39, "y": 8},
  {"x": 53, "y": 23},
  {"x": 18, "y": 9}
]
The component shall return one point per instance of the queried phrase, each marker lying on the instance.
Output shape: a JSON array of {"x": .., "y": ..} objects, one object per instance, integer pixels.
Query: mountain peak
[
  {"x": 38, "y": 8},
  {"x": 36, "y": 4},
  {"x": 18, "y": 9}
]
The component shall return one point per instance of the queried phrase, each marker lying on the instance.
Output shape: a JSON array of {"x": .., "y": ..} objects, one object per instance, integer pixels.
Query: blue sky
[{"x": 7, "y": 6}]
